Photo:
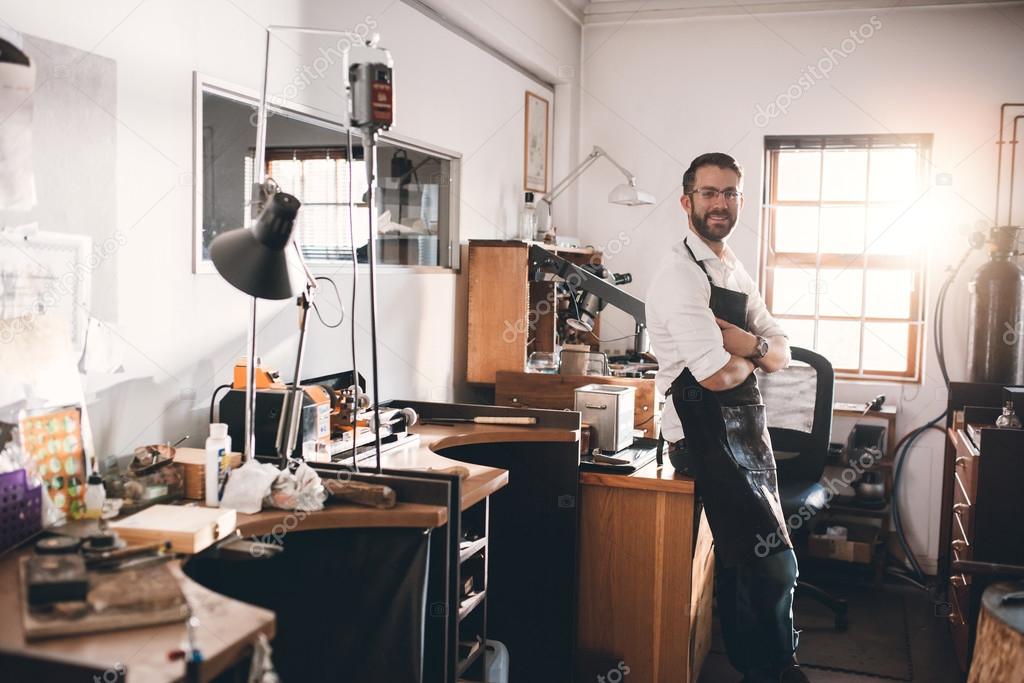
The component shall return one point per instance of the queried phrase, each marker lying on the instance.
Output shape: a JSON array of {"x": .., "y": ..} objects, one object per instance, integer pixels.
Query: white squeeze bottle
[{"x": 218, "y": 445}]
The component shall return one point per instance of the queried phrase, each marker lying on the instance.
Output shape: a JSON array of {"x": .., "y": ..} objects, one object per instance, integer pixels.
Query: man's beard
[{"x": 715, "y": 231}]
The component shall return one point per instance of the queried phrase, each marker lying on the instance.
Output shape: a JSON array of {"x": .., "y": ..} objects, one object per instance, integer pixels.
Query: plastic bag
[{"x": 247, "y": 486}]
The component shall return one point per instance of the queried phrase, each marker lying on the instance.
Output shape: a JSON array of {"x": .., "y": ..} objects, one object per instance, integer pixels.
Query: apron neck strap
[{"x": 699, "y": 263}]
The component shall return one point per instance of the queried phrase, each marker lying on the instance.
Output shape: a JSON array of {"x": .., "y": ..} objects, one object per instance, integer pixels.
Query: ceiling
[{"x": 618, "y": 11}]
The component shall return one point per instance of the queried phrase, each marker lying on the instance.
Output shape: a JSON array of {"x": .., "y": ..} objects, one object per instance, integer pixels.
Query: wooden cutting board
[{"x": 190, "y": 529}]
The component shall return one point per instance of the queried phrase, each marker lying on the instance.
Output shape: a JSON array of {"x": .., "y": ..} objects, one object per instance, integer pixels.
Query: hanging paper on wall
[{"x": 53, "y": 443}]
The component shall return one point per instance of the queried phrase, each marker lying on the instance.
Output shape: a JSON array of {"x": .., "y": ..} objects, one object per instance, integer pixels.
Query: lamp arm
[
  {"x": 594, "y": 155},
  {"x": 310, "y": 279},
  {"x": 629, "y": 175},
  {"x": 565, "y": 182}
]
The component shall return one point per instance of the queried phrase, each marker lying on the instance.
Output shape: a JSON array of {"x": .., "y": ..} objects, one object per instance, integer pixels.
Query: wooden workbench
[{"x": 228, "y": 627}]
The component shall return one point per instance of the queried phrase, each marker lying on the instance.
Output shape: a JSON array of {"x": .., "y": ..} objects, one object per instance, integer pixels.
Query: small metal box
[{"x": 608, "y": 409}]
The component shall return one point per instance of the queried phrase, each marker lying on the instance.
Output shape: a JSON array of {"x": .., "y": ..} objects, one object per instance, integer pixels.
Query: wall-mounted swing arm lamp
[{"x": 624, "y": 194}]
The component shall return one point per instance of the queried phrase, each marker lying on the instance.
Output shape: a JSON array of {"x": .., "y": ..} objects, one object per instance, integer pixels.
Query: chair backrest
[{"x": 798, "y": 404}]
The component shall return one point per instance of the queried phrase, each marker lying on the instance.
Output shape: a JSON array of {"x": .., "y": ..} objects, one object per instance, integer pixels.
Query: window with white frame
[{"x": 842, "y": 252}]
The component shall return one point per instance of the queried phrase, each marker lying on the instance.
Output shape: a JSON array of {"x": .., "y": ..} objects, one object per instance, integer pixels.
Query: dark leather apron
[{"x": 730, "y": 452}]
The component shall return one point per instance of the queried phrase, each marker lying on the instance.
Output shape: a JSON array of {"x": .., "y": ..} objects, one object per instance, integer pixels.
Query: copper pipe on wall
[
  {"x": 1013, "y": 166},
  {"x": 999, "y": 152}
]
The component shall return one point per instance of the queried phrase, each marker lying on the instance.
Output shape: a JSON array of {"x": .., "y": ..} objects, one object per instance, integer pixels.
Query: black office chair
[{"x": 798, "y": 403}]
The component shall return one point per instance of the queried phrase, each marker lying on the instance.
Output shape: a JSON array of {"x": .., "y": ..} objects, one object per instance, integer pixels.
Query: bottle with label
[
  {"x": 218, "y": 445},
  {"x": 527, "y": 219},
  {"x": 1009, "y": 419}
]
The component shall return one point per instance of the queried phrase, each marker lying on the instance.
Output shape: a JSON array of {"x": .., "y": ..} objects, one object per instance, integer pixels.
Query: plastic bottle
[
  {"x": 95, "y": 496},
  {"x": 217, "y": 447},
  {"x": 527, "y": 219}
]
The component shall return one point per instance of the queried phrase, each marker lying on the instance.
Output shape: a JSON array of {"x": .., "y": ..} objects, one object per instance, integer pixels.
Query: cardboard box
[{"x": 858, "y": 547}]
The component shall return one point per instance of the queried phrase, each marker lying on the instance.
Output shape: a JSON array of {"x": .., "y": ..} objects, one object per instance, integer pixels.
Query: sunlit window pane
[
  {"x": 885, "y": 346},
  {"x": 798, "y": 176},
  {"x": 893, "y": 174},
  {"x": 844, "y": 175},
  {"x": 893, "y": 230},
  {"x": 889, "y": 293},
  {"x": 866, "y": 210},
  {"x": 840, "y": 292},
  {"x": 842, "y": 230},
  {"x": 799, "y": 331},
  {"x": 796, "y": 229},
  {"x": 839, "y": 341},
  {"x": 793, "y": 291}
]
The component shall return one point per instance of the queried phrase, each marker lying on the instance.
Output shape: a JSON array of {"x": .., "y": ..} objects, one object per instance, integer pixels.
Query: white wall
[
  {"x": 656, "y": 94},
  {"x": 181, "y": 331}
]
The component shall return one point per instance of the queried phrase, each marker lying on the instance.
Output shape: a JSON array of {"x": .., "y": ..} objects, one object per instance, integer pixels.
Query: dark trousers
[{"x": 755, "y": 607}]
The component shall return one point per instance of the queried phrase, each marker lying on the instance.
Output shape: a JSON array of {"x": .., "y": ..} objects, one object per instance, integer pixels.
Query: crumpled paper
[
  {"x": 254, "y": 484},
  {"x": 302, "y": 490}
]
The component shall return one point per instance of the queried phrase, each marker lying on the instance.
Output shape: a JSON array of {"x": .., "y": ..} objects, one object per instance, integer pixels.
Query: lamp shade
[
  {"x": 630, "y": 195},
  {"x": 254, "y": 261}
]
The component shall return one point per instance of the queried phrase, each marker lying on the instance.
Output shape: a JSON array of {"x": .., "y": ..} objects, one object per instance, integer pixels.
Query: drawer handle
[
  {"x": 595, "y": 407},
  {"x": 960, "y": 460},
  {"x": 959, "y": 544},
  {"x": 960, "y": 507}
]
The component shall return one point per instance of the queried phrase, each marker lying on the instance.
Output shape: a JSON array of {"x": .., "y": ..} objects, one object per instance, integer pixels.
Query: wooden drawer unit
[
  {"x": 982, "y": 503},
  {"x": 557, "y": 392}
]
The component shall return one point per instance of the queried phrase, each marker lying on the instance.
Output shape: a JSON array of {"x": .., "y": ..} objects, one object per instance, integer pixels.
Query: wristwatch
[{"x": 761, "y": 350}]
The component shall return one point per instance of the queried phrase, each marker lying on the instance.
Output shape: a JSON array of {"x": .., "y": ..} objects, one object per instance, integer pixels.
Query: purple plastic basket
[{"x": 20, "y": 509}]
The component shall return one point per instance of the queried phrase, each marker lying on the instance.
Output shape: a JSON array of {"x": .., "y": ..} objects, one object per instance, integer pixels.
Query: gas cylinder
[{"x": 995, "y": 318}]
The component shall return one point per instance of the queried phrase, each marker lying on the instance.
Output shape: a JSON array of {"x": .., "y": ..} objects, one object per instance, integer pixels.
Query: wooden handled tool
[
  {"x": 485, "y": 420},
  {"x": 371, "y": 495}
]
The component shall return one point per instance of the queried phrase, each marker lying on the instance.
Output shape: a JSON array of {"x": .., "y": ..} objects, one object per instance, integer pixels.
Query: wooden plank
[
  {"x": 701, "y": 592},
  {"x": 497, "y": 310},
  {"x": 650, "y": 477},
  {"x": 556, "y": 392}
]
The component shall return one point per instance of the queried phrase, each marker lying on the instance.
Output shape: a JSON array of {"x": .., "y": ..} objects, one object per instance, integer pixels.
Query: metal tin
[{"x": 608, "y": 409}]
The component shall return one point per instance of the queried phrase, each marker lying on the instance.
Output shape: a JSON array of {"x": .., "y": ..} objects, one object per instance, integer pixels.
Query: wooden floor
[{"x": 931, "y": 657}]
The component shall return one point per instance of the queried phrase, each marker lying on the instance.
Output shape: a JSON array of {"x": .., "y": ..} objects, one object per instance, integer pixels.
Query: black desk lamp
[{"x": 254, "y": 261}]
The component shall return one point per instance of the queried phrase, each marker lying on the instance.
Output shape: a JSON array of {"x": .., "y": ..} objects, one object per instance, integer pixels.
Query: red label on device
[{"x": 381, "y": 102}]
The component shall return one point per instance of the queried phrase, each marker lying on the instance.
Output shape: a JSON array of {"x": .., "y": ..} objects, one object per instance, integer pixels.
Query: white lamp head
[{"x": 628, "y": 194}]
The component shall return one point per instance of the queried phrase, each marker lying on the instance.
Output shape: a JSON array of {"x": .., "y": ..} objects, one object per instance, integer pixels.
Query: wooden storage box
[{"x": 192, "y": 463}]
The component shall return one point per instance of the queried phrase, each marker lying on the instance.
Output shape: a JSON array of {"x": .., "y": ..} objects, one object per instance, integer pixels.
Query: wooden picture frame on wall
[{"x": 535, "y": 144}]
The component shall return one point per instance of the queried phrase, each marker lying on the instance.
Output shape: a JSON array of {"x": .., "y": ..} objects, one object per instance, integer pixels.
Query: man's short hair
[{"x": 719, "y": 159}]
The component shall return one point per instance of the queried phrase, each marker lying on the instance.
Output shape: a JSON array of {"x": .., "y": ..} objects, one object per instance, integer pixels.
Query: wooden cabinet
[
  {"x": 982, "y": 480},
  {"x": 510, "y": 317},
  {"x": 646, "y": 576}
]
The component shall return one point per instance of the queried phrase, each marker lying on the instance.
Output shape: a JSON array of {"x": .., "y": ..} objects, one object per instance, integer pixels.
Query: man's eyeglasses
[{"x": 710, "y": 194}]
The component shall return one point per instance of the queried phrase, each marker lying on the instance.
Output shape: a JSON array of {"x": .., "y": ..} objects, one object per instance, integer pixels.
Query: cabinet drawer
[
  {"x": 965, "y": 464},
  {"x": 960, "y": 542},
  {"x": 958, "y": 622},
  {"x": 959, "y": 579}
]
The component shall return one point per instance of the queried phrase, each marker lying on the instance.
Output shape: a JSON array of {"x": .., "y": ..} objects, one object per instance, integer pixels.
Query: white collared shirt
[{"x": 682, "y": 327}]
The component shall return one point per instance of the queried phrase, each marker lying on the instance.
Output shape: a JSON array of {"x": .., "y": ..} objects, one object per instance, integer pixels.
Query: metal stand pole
[{"x": 370, "y": 156}]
